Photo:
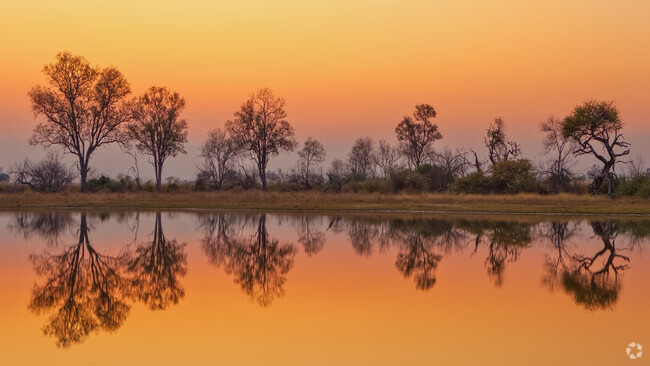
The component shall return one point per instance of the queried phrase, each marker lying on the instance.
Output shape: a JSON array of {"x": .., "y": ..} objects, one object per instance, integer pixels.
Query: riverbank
[{"x": 343, "y": 202}]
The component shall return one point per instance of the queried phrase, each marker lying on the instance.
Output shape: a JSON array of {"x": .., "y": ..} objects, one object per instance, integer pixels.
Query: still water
[{"x": 232, "y": 288}]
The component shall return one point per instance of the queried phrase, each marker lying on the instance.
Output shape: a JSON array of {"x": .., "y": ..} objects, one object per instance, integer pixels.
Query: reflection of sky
[{"x": 339, "y": 308}]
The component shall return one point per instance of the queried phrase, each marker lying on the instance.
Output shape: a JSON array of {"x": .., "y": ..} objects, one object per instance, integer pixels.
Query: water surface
[{"x": 226, "y": 288}]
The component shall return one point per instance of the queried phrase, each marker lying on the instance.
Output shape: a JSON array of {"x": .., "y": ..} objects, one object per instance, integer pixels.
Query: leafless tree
[
  {"x": 337, "y": 174},
  {"x": 560, "y": 147},
  {"x": 595, "y": 127},
  {"x": 260, "y": 127},
  {"x": 48, "y": 175},
  {"x": 312, "y": 154},
  {"x": 417, "y": 134},
  {"x": 499, "y": 147},
  {"x": 638, "y": 166},
  {"x": 159, "y": 131},
  {"x": 219, "y": 153},
  {"x": 454, "y": 161},
  {"x": 84, "y": 107},
  {"x": 386, "y": 158},
  {"x": 361, "y": 159}
]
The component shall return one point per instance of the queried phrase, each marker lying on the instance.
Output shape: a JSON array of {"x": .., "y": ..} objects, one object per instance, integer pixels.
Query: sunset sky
[{"x": 346, "y": 68}]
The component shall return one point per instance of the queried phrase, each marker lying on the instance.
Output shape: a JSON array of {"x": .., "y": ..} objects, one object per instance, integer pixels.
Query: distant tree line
[{"x": 84, "y": 107}]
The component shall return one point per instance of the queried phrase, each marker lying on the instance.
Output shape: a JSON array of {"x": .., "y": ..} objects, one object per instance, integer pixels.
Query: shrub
[
  {"x": 513, "y": 176},
  {"x": 406, "y": 179},
  {"x": 637, "y": 186},
  {"x": 436, "y": 177},
  {"x": 474, "y": 183},
  {"x": 48, "y": 175}
]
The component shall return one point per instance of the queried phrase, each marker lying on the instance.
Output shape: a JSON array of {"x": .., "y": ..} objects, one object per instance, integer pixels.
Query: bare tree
[
  {"x": 159, "y": 131},
  {"x": 595, "y": 127},
  {"x": 560, "y": 147},
  {"x": 312, "y": 154},
  {"x": 48, "y": 175},
  {"x": 219, "y": 153},
  {"x": 361, "y": 159},
  {"x": 638, "y": 166},
  {"x": 337, "y": 173},
  {"x": 260, "y": 127},
  {"x": 454, "y": 162},
  {"x": 84, "y": 107},
  {"x": 386, "y": 158},
  {"x": 499, "y": 147},
  {"x": 417, "y": 135}
]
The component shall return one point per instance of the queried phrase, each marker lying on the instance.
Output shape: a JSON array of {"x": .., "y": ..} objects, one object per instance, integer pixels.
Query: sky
[{"x": 347, "y": 69}]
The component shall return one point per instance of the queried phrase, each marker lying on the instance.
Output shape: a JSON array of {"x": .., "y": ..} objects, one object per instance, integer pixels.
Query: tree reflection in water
[
  {"x": 155, "y": 269},
  {"x": 258, "y": 261},
  {"x": 84, "y": 288},
  {"x": 504, "y": 240}
]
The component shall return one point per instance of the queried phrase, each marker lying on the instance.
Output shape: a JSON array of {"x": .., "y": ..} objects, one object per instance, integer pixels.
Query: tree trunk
[
  {"x": 158, "y": 177},
  {"x": 83, "y": 170},
  {"x": 602, "y": 179},
  {"x": 263, "y": 178}
]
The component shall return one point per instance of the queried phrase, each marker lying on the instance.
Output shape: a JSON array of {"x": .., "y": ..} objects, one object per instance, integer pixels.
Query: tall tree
[
  {"x": 361, "y": 159},
  {"x": 311, "y": 154},
  {"x": 260, "y": 127},
  {"x": 499, "y": 147},
  {"x": 417, "y": 134},
  {"x": 158, "y": 130},
  {"x": 560, "y": 147},
  {"x": 219, "y": 153},
  {"x": 386, "y": 158},
  {"x": 595, "y": 127},
  {"x": 84, "y": 108}
]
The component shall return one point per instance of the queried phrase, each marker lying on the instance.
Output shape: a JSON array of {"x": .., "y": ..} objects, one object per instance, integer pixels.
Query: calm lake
[{"x": 233, "y": 288}]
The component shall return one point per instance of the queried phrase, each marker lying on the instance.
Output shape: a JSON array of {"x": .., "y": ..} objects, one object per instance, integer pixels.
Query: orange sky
[{"x": 347, "y": 69}]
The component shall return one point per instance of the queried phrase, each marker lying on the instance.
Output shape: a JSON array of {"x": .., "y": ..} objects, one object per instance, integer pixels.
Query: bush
[
  {"x": 437, "y": 178},
  {"x": 638, "y": 186},
  {"x": 376, "y": 185},
  {"x": 406, "y": 179},
  {"x": 513, "y": 176},
  {"x": 48, "y": 175},
  {"x": 474, "y": 183},
  {"x": 103, "y": 183},
  {"x": 508, "y": 176}
]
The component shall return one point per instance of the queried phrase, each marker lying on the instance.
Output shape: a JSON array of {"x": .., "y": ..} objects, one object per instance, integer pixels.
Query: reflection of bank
[
  {"x": 87, "y": 291},
  {"x": 258, "y": 262}
]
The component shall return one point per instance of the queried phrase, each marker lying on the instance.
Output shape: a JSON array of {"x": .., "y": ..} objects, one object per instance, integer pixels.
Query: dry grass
[{"x": 300, "y": 201}]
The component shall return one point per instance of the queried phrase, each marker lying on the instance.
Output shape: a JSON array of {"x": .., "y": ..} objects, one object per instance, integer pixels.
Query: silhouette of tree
[
  {"x": 361, "y": 159},
  {"x": 499, "y": 147},
  {"x": 310, "y": 156},
  {"x": 159, "y": 131},
  {"x": 85, "y": 289},
  {"x": 84, "y": 107},
  {"x": 417, "y": 135},
  {"x": 595, "y": 127},
  {"x": 559, "y": 173},
  {"x": 219, "y": 153},
  {"x": 260, "y": 128},
  {"x": 259, "y": 262},
  {"x": 156, "y": 268}
]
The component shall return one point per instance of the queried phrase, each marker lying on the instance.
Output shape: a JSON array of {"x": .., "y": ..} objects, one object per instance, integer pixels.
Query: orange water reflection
[{"x": 250, "y": 288}]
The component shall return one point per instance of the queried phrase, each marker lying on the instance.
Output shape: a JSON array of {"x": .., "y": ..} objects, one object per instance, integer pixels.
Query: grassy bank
[{"x": 280, "y": 201}]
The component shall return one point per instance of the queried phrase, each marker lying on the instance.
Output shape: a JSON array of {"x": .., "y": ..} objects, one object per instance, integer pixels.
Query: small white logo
[{"x": 634, "y": 350}]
